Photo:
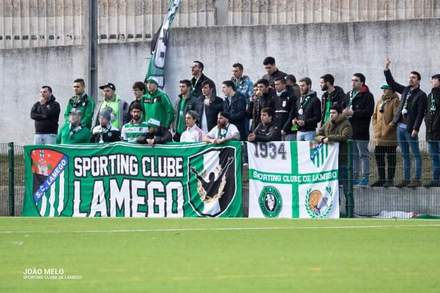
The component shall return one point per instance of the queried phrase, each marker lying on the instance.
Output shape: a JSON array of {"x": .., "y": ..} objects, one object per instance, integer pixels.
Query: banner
[
  {"x": 159, "y": 44},
  {"x": 128, "y": 180},
  {"x": 293, "y": 180}
]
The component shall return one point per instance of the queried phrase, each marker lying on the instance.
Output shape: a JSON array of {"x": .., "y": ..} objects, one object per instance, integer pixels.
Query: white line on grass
[{"x": 219, "y": 229}]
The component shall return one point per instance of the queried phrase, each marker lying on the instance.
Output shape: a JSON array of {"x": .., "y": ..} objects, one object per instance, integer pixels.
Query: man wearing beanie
[
  {"x": 105, "y": 131},
  {"x": 74, "y": 132},
  {"x": 157, "y": 104}
]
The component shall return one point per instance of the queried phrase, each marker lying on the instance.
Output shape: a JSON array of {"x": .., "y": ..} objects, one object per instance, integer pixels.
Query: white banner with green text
[{"x": 293, "y": 180}]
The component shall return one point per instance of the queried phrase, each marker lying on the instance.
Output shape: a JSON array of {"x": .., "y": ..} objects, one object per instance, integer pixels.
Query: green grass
[{"x": 205, "y": 255}]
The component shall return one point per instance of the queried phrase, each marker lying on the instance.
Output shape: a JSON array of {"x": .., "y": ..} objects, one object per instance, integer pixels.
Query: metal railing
[
  {"x": 390, "y": 201},
  {"x": 11, "y": 179},
  {"x": 356, "y": 200}
]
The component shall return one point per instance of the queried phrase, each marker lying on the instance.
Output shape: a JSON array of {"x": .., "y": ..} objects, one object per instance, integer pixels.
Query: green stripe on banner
[
  {"x": 283, "y": 178},
  {"x": 295, "y": 185}
]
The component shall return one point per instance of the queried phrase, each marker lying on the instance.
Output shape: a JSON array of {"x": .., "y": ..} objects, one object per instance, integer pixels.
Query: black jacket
[
  {"x": 415, "y": 101},
  {"x": 336, "y": 97},
  {"x": 254, "y": 109},
  {"x": 101, "y": 134},
  {"x": 237, "y": 111},
  {"x": 282, "y": 107},
  {"x": 163, "y": 135},
  {"x": 271, "y": 77},
  {"x": 363, "y": 108},
  {"x": 432, "y": 116},
  {"x": 216, "y": 106},
  {"x": 270, "y": 132},
  {"x": 196, "y": 90},
  {"x": 293, "y": 90},
  {"x": 311, "y": 113},
  {"x": 46, "y": 116}
]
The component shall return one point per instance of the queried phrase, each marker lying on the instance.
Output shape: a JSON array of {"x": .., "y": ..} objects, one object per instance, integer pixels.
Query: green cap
[
  {"x": 386, "y": 87},
  {"x": 153, "y": 122}
]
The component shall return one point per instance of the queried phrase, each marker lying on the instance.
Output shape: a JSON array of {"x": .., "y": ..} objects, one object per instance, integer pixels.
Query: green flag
[{"x": 159, "y": 44}]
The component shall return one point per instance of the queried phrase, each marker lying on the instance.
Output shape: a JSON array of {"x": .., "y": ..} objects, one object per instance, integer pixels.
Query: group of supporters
[{"x": 273, "y": 108}]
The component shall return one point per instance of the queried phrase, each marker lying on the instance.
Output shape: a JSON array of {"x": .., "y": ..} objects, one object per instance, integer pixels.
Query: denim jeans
[
  {"x": 45, "y": 138},
  {"x": 434, "y": 151},
  {"x": 290, "y": 137},
  {"x": 407, "y": 142},
  {"x": 305, "y": 136},
  {"x": 361, "y": 159}
]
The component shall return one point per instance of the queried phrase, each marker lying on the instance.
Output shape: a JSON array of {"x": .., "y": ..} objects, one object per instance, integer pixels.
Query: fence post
[
  {"x": 349, "y": 201},
  {"x": 11, "y": 178}
]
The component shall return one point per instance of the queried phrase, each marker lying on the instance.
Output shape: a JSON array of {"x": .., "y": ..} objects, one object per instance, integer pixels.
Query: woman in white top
[{"x": 192, "y": 133}]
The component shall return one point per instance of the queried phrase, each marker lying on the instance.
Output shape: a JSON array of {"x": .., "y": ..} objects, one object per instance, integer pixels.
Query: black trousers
[{"x": 390, "y": 153}]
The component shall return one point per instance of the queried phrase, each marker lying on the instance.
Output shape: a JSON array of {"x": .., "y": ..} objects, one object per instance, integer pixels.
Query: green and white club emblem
[{"x": 270, "y": 201}]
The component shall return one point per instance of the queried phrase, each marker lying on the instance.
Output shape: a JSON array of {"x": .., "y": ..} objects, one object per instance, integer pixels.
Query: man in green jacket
[
  {"x": 81, "y": 101},
  {"x": 157, "y": 104},
  {"x": 74, "y": 132}
]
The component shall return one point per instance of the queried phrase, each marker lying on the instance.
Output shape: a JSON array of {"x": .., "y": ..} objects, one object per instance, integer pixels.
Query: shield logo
[
  {"x": 212, "y": 185},
  {"x": 318, "y": 153},
  {"x": 47, "y": 166}
]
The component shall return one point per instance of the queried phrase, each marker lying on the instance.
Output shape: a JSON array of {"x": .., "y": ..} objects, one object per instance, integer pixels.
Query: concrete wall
[
  {"x": 304, "y": 50},
  {"x": 311, "y": 50},
  {"x": 41, "y": 23},
  {"x": 24, "y": 71}
]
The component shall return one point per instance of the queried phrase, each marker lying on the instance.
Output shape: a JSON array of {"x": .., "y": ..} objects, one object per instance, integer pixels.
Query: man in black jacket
[
  {"x": 207, "y": 107},
  {"x": 105, "y": 131},
  {"x": 272, "y": 71},
  {"x": 198, "y": 78},
  {"x": 291, "y": 85},
  {"x": 283, "y": 103},
  {"x": 304, "y": 118},
  {"x": 408, "y": 120},
  {"x": 333, "y": 95},
  {"x": 267, "y": 130},
  {"x": 46, "y": 113},
  {"x": 360, "y": 108},
  {"x": 432, "y": 122},
  {"x": 261, "y": 99},
  {"x": 235, "y": 106},
  {"x": 156, "y": 134}
]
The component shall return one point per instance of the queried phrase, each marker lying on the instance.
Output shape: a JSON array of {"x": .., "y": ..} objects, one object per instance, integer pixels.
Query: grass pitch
[{"x": 218, "y": 255}]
